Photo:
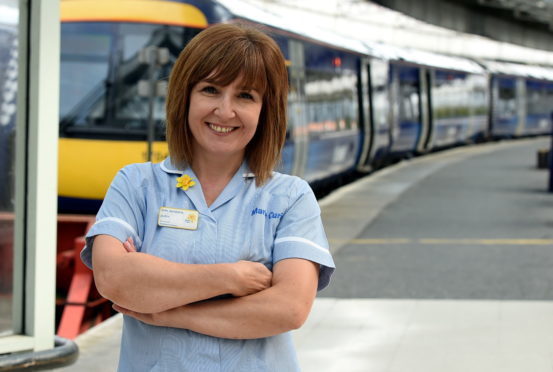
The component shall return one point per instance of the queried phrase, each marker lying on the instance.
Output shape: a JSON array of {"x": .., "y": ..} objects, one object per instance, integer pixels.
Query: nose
[{"x": 225, "y": 107}]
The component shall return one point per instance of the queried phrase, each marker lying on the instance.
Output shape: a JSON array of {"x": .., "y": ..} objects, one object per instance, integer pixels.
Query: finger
[
  {"x": 120, "y": 309},
  {"x": 127, "y": 246},
  {"x": 131, "y": 242}
]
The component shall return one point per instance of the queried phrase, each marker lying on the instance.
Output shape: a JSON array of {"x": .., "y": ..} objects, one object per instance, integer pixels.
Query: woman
[{"x": 212, "y": 257}]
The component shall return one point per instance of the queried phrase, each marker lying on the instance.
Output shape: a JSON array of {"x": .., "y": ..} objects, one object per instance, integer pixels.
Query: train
[{"x": 353, "y": 106}]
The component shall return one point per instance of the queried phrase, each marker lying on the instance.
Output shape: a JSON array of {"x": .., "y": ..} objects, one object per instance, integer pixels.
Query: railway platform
[{"x": 443, "y": 264}]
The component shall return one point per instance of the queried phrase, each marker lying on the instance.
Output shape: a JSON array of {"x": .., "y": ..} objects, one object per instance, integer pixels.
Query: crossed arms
[{"x": 165, "y": 293}]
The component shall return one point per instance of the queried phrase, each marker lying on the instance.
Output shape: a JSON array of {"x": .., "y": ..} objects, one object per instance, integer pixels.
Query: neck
[
  {"x": 214, "y": 173},
  {"x": 215, "y": 168}
]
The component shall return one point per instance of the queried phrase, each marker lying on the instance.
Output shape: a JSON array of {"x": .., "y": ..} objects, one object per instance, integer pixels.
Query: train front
[{"x": 104, "y": 116}]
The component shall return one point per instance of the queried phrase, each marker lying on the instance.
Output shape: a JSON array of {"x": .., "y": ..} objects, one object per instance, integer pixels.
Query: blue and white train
[{"x": 353, "y": 106}]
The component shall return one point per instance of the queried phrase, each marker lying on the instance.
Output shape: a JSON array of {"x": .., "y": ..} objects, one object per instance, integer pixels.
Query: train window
[
  {"x": 100, "y": 72},
  {"x": 380, "y": 93},
  {"x": 450, "y": 95},
  {"x": 409, "y": 103},
  {"x": 506, "y": 104},
  {"x": 331, "y": 101},
  {"x": 478, "y": 95},
  {"x": 536, "y": 98},
  {"x": 408, "y": 95}
]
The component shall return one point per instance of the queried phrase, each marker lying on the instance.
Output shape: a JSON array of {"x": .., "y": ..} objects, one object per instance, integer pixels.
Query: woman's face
[{"x": 223, "y": 119}]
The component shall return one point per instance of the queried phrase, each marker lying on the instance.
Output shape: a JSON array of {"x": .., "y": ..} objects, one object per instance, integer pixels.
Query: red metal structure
[{"x": 79, "y": 304}]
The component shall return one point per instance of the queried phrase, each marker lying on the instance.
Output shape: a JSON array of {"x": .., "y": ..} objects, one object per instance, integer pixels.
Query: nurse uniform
[{"x": 279, "y": 220}]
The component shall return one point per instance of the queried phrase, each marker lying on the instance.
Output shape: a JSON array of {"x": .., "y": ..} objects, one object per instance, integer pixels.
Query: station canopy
[{"x": 526, "y": 10}]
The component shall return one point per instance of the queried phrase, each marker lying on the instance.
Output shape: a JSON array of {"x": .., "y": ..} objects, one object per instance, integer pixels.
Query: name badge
[{"x": 178, "y": 218}]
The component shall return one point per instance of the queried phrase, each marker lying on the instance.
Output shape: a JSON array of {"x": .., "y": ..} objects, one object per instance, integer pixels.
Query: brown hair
[{"x": 223, "y": 52}]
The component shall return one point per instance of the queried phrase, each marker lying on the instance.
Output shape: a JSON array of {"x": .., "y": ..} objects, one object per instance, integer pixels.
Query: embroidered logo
[{"x": 267, "y": 214}]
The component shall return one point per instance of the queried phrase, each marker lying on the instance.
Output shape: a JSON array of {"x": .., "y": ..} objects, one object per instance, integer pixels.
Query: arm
[
  {"x": 280, "y": 308},
  {"x": 149, "y": 284}
]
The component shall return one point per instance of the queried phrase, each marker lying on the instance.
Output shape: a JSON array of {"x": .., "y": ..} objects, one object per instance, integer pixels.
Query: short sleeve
[
  {"x": 121, "y": 214},
  {"x": 300, "y": 234}
]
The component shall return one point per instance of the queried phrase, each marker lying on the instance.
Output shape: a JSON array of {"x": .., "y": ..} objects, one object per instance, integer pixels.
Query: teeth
[{"x": 219, "y": 129}]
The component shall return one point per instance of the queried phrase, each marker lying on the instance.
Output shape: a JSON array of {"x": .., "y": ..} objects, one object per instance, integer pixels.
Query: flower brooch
[{"x": 185, "y": 182}]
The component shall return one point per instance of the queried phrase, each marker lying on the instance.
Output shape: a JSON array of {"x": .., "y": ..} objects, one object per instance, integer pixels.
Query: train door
[
  {"x": 297, "y": 136},
  {"x": 286, "y": 163},
  {"x": 407, "y": 123},
  {"x": 423, "y": 143},
  {"x": 453, "y": 118},
  {"x": 504, "y": 118},
  {"x": 331, "y": 106},
  {"x": 478, "y": 105},
  {"x": 365, "y": 118},
  {"x": 380, "y": 110},
  {"x": 538, "y": 108},
  {"x": 521, "y": 106}
]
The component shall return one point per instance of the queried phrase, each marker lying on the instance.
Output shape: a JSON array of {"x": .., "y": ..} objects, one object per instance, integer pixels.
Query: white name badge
[{"x": 178, "y": 218}]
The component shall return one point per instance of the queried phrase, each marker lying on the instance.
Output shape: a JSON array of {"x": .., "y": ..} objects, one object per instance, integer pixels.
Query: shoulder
[
  {"x": 139, "y": 168},
  {"x": 137, "y": 174},
  {"x": 286, "y": 185}
]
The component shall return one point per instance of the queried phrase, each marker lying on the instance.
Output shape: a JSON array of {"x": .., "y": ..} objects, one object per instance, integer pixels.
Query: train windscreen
[{"x": 100, "y": 73}]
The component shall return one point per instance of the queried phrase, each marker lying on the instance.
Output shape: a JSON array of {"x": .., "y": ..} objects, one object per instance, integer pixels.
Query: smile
[{"x": 219, "y": 129}]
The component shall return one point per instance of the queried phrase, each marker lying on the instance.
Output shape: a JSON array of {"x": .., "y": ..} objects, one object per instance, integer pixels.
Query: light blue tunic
[{"x": 278, "y": 220}]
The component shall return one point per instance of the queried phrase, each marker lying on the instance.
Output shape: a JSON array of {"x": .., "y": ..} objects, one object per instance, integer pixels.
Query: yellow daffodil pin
[{"x": 185, "y": 182}]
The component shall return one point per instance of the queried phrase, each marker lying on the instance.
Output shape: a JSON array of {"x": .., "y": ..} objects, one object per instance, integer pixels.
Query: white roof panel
[
  {"x": 513, "y": 69},
  {"x": 364, "y": 20},
  {"x": 300, "y": 26},
  {"x": 424, "y": 58}
]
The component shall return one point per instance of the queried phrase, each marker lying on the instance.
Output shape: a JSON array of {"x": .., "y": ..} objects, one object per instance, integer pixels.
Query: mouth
[{"x": 220, "y": 129}]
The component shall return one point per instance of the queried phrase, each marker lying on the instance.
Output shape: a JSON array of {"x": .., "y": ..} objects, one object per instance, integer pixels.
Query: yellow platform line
[
  {"x": 380, "y": 241},
  {"x": 488, "y": 241},
  {"x": 391, "y": 241}
]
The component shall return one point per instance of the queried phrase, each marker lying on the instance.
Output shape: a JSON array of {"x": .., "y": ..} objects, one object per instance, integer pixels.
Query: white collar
[{"x": 167, "y": 166}]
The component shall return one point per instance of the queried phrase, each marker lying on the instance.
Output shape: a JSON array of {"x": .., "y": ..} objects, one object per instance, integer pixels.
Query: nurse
[{"x": 212, "y": 256}]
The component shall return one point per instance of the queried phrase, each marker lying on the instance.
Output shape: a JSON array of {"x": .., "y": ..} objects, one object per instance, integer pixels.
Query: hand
[
  {"x": 129, "y": 245},
  {"x": 249, "y": 277},
  {"x": 151, "y": 319}
]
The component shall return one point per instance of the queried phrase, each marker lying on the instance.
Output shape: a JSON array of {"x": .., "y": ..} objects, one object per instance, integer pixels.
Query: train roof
[
  {"x": 301, "y": 27},
  {"x": 310, "y": 30},
  {"x": 423, "y": 58},
  {"x": 515, "y": 69}
]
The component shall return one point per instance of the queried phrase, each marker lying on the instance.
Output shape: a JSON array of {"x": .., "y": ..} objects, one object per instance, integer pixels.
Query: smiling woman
[
  {"x": 241, "y": 60},
  {"x": 211, "y": 256}
]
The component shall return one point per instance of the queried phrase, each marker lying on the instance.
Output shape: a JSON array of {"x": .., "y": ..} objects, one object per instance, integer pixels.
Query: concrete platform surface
[{"x": 366, "y": 335}]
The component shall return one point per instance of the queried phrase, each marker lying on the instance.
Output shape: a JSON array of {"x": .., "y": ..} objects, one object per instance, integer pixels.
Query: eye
[
  {"x": 246, "y": 95},
  {"x": 209, "y": 89}
]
